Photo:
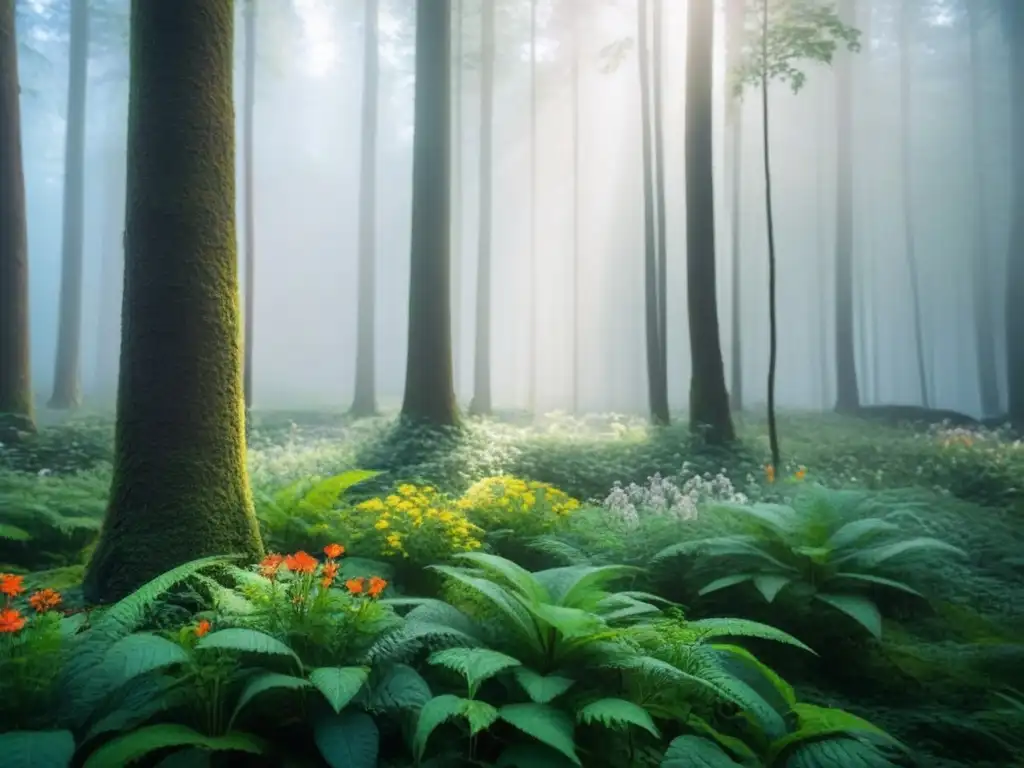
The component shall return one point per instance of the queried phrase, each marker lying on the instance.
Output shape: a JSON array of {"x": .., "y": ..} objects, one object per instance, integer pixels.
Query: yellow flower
[{"x": 381, "y": 524}]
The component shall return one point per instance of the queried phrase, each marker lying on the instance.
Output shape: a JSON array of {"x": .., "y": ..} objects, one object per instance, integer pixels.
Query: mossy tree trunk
[
  {"x": 180, "y": 489},
  {"x": 67, "y": 388},
  {"x": 709, "y": 398},
  {"x": 364, "y": 401},
  {"x": 248, "y": 129},
  {"x": 15, "y": 373},
  {"x": 429, "y": 394}
]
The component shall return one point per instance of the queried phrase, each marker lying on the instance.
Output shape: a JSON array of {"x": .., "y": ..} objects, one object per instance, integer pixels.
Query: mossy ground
[{"x": 928, "y": 680}]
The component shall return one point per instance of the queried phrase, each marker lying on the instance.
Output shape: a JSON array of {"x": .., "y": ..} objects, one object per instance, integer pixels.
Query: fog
[{"x": 306, "y": 187}]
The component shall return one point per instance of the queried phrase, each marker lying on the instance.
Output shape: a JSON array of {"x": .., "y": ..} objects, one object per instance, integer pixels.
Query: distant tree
[
  {"x": 364, "y": 402},
  {"x": 660, "y": 213},
  {"x": 16, "y": 409},
  {"x": 577, "y": 55},
  {"x": 67, "y": 374},
  {"x": 429, "y": 395},
  {"x": 735, "y": 11},
  {"x": 533, "y": 268},
  {"x": 179, "y": 489},
  {"x": 709, "y": 398},
  {"x": 248, "y": 191}
]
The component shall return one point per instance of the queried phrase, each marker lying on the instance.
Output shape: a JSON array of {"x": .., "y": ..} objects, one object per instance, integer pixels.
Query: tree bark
[
  {"x": 180, "y": 489},
  {"x": 659, "y": 182},
  {"x": 481, "y": 403},
  {"x": 456, "y": 197},
  {"x": 709, "y": 398},
  {"x": 1014, "y": 317},
  {"x": 16, "y": 408},
  {"x": 67, "y": 388},
  {"x": 248, "y": 128},
  {"x": 735, "y": 19},
  {"x": 364, "y": 402},
  {"x": 847, "y": 393},
  {"x": 429, "y": 396}
]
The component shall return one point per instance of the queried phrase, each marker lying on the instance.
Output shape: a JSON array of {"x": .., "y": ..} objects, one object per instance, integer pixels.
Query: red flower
[
  {"x": 334, "y": 551},
  {"x": 202, "y": 628},
  {"x": 44, "y": 600},
  {"x": 300, "y": 562},
  {"x": 11, "y": 585},
  {"x": 11, "y": 621}
]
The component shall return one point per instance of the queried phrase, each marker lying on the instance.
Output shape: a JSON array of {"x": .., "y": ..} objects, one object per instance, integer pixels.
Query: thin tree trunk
[
  {"x": 481, "y": 403},
  {"x": 981, "y": 263},
  {"x": 821, "y": 243},
  {"x": 576, "y": 167},
  {"x": 1014, "y": 309},
  {"x": 456, "y": 197},
  {"x": 659, "y": 181},
  {"x": 248, "y": 123},
  {"x": 16, "y": 408},
  {"x": 709, "y": 398},
  {"x": 67, "y": 389},
  {"x": 364, "y": 401},
  {"x": 906, "y": 188},
  {"x": 735, "y": 16},
  {"x": 657, "y": 389},
  {"x": 847, "y": 394},
  {"x": 429, "y": 394},
  {"x": 531, "y": 306}
]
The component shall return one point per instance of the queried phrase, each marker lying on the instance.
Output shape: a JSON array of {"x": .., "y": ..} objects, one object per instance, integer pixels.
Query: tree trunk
[
  {"x": 709, "y": 398},
  {"x": 735, "y": 18},
  {"x": 981, "y": 263},
  {"x": 657, "y": 384},
  {"x": 659, "y": 181},
  {"x": 847, "y": 394},
  {"x": 429, "y": 396},
  {"x": 67, "y": 389},
  {"x": 364, "y": 402},
  {"x": 1014, "y": 317},
  {"x": 906, "y": 188},
  {"x": 481, "y": 403},
  {"x": 531, "y": 302},
  {"x": 456, "y": 197},
  {"x": 248, "y": 109},
  {"x": 179, "y": 489},
  {"x": 16, "y": 410},
  {"x": 576, "y": 167}
]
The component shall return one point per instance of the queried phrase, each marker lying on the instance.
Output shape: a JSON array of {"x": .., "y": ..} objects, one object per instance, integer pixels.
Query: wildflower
[
  {"x": 355, "y": 586},
  {"x": 329, "y": 573},
  {"x": 300, "y": 562},
  {"x": 377, "y": 585},
  {"x": 800, "y": 474},
  {"x": 44, "y": 600},
  {"x": 11, "y": 620},
  {"x": 769, "y": 472},
  {"x": 270, "y": 564},
  {"x": 202, "y": 628},
  {"x": 381, "y": 524},
  {"x": 11, "y": 585},
  {"x": 334, "y": 551}
]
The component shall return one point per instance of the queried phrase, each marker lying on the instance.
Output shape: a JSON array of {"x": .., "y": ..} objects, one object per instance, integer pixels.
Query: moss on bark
[{"x": 180, "y": 489}]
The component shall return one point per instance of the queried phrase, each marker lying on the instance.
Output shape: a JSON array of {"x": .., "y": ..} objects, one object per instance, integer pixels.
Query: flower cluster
[
  {"x": 528, "y": 507},
  {"x": 11, "y": 618},
  {"x": 414, "y": 522},
  {"x": 667, "y": 498}
]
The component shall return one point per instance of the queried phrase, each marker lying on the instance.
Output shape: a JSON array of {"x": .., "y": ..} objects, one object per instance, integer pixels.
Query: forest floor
[{"x": 928, "y": 679}]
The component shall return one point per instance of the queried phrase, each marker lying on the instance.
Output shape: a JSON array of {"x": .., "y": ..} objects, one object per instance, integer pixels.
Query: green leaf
[
  {"x": 570, "y": 623},
  {"x": 347, "y": 740},
  {"x": 14, "y": 533},
  {"x": 339, "y": 685},
  {"x": 817, "y": 723},
  {"x": 135, "y": 745},
  {"x": 37, "y": 749},
  {"x": 435, "y": 713},
  {"x": 770, "y": 584},
  {"x": 854, "y": 533},
  {"x": 870, "y": 578},
  {"x": 324, "y": 494},
  {"x": 615, "y": 713},
  {"x": 479, "y": 714},
  {"x": 187, "y": 758},
  {"x": 544, "y": 723},
  {"x": 542, "y": 689},
  {"x": 875, "y": 556},
  {"x": 400, "y": 688},
  {"x": 860, "y": 609},
  {"x": 138, "y": 654},
  {"x": 514, "y": 575},
  {"x": 476, "y": 665},
  {"x": 245, "y": 640},
  {"x": 719, "y": 627},
  {"x": 266, "y": 681},
  {"x": 847, "y": 752},
  {"x": 725, "y": 582},
  {"x": 695, "y": 752}
]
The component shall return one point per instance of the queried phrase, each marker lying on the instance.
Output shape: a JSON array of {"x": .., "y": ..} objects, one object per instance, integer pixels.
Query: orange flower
[
  {"x": 801, "y": 473},
  {"x": 270, "y": 564},
  {"x": 300, "y": 562},
  {"x": 202, "y": 628},
  {"x": 11, "y": 620},
  {"x": 329, "y": 573},
  {"x": 377, "y": 585},
  {"x": 44, "y": 600},
  {"x": 11, "y": 585},
  {"x": 769, "y": 472},
  {"x": 355, "y": 586},
  {"x": 334, "y": 551}
]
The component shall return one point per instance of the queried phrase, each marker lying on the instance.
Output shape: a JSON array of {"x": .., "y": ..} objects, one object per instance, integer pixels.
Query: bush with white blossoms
[{"x": 678, "y": 498}]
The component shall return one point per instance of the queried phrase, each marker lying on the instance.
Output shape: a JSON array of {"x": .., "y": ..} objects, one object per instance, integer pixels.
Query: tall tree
[
  {"x": 577, "y": 46},
  {"x": 179, "y": 489},
  {"x": 531, "y": 292},
  {"x": 906, "y": 20},
  {"x": 364, "y": 403},
  {"x": 481, "y": 402},
  {"x": 429, "y": 395},
  {"x": 735, "y": 11},
  {"x": 657, "y": 380},
  {"x": 709, "y": 398},
  {"x": 456, "y": 193},
  {"x": 661, "y": 226},
  {"x": 248, "y": 214},
  {"x": 1013, "y": 24},
  {"x": 16, "y": 411},
  {"x": 67, "y": 375},
  {"x": 981, "y": 264}
]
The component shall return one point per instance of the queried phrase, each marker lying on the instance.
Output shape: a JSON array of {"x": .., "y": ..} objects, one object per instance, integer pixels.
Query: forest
[{"x": 512, "y": 383}]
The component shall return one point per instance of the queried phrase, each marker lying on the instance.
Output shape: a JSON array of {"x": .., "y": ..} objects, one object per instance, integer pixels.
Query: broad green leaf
[
  {"x": 434, "y": 714},
  {"x": 695, "y": 752},
  {"x": 135, "y": 745},
  {"x": 856, "y": 532},
  {"x": 731, "y": 744},
  {"x": 37, "y": 749},
  {"x": 515, "y": 575},
  {"x": 544, "y": 723},
  {"x": 860, "y": 609},
  {"x": 324, "y": 494},
  {"x": 875, "y": 556},
  {"x": 725, "y": 582},
  {"x": 399, "y": 688},
  {"x": 770, "y": 584},
  {"x": 870, "y": 578},
  {"x": 741, "y": 655},
  {"x": 245, "y": 640},
  {"x": 339, "y": 685},
  {"x": 719, "y": 627},
  {"x": 479, "y": 714},
  {"x": 347, "y": 740},
  {"x": 14, "y": 533},
  {"x": 815, "y": 723},
  {"x": 570, "y": 623},
  {"x": 543, "y": 689},
  {"x": 263, "y": 682},
  {"x": 476, "y": 665},
  {"x": 616, "y": 713},
  {"x": 138, "y": 654},
  {"x": 778, "y": 518},
  {"x": 581, "y": 586},
  {"x": 845, "y": 752}
]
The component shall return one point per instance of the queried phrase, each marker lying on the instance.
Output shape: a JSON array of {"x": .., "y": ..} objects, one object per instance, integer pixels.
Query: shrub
[{"x": 527, "y": 507}]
